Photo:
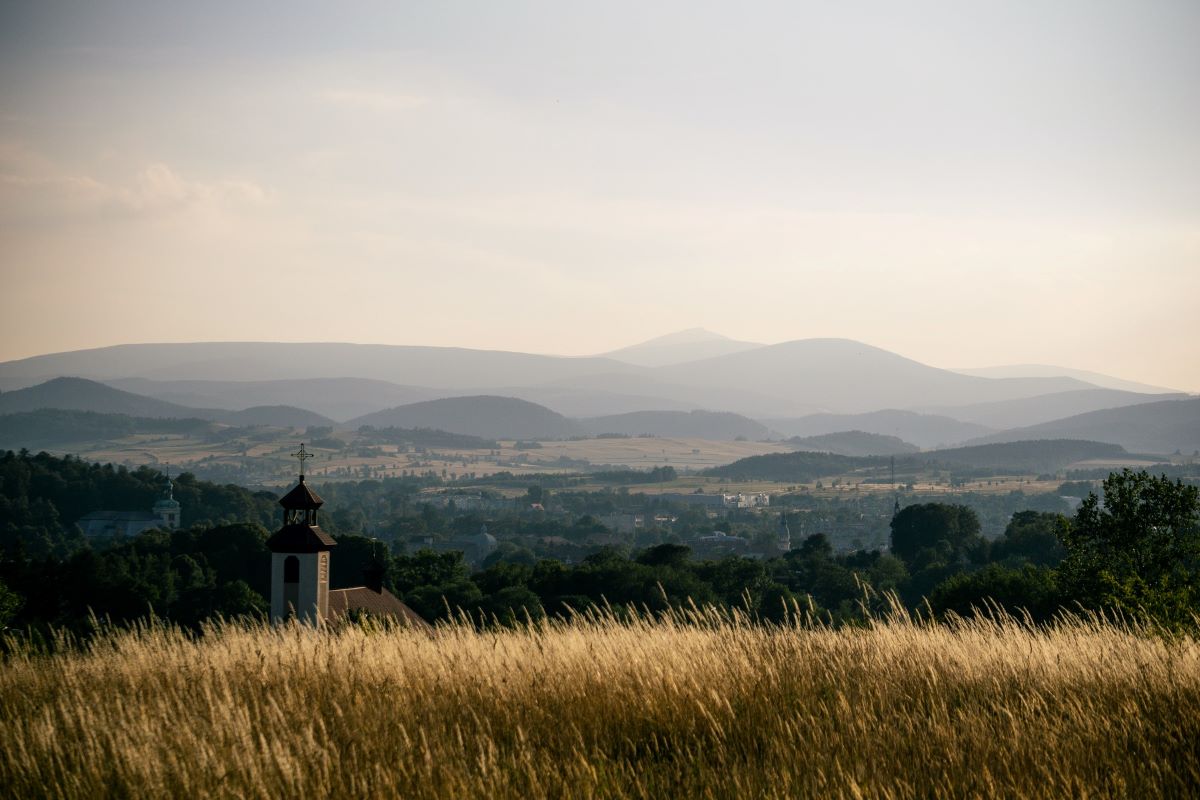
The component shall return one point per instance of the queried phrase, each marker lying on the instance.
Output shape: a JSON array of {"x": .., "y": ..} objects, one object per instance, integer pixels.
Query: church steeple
[
  {"x": 300, "y": 556},
  {"x": 167, "y": 508}
]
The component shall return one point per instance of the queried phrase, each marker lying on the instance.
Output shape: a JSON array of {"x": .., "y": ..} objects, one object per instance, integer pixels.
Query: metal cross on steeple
[{"x": 302, "y": 454}]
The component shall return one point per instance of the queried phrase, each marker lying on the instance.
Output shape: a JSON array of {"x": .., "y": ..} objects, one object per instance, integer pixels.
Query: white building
[{"x": 164, "y": 515}]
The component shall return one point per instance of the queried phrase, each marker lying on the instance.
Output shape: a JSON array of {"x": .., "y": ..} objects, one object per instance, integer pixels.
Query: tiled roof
[
  {"x": 301, "y": 497},
  {"x": 300, "y": 538},
  {"x": 119, "y": 516},
  {"x": 379, "y": 604}
]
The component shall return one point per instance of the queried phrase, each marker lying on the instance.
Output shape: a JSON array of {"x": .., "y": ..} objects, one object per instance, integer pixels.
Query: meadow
[{"x": 696, "y": 704}]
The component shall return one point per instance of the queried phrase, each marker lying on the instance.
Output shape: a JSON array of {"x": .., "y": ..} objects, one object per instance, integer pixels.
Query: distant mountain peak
[
  {"x": 692, "y": 344},
  {"x": 687, "y": 336}
]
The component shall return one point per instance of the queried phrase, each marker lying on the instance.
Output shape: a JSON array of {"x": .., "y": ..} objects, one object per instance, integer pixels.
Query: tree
[
  {"x": 1139, "y": 552},
  {"x": 10, "y": 604},
  {"x": 931, "y": 532},
  {"x": 1030, "y": 588},
  {"x": 1034, "y": 537}
]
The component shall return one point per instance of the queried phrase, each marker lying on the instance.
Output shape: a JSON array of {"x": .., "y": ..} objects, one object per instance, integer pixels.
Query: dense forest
[{"x": 1133, "y": 548}]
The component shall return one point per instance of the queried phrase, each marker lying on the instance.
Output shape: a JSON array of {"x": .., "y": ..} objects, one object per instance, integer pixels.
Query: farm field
[
  {"x": 265, "y": 459},
  {"x": 695, "y": 705}
]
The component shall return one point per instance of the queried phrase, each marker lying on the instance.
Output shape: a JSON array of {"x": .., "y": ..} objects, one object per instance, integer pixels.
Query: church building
[
  {"x": 164, "y": 515},
  {"x": 300, "y": 555}
]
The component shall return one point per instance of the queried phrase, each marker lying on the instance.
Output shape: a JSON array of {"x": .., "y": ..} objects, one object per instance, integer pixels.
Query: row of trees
[{"x": 1135, "y": 550}]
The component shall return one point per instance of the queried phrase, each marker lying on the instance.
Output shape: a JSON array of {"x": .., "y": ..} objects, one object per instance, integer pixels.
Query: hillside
[
  {"x": 846, "y": 376},
  {"x": 1026, "y": 411},
  {"x": 854, "y": 443},
  {"x": 55, "y": 427},
  {"x": 714, "y": 425},
  {"x": 1049, "y": 371},
  {"x": 1037, "y": 456},
  {"x": 78, "y": 394},
  {"x": 276, "y": 416},
  {"x": 1161, "y": 427},
  {"x": 1025, "y": 457},
  {"x": 336, "y": 398},
  {"x": 442, "y": 367},
  {"x": 777, "y": 381},
  {"x": 677, "y": 348},
  {"x": 485, "y": 416},
  {"x": 798, "y": 467},
  {"x": 923, "y": 430}
]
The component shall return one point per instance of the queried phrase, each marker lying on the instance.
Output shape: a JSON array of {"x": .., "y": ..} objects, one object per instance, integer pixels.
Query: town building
[
  {"x": 623, "y": 523},
  {"x": 718, "y": 544},
  {"x": 475, "y": 547},
  {"x": 163, "y": 515}
]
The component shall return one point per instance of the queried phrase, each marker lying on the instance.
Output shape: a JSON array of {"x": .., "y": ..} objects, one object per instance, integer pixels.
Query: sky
[{"x": 964, "y": 183}]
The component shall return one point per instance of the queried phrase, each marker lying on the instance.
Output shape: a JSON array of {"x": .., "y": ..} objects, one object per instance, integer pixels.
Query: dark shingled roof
[
  {"x": 378, "y": 604},
  {"x": 300, "y": 538},
  {"x": 301, "y": 498},
  {"x": 120, "y": 516}
]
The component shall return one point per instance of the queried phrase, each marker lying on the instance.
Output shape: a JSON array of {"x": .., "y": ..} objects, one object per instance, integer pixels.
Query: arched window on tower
[{"x": 291, "y": 570}]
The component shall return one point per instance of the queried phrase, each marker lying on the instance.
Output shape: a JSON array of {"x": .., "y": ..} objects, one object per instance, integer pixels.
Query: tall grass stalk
[{"x": 691, "y": 704}]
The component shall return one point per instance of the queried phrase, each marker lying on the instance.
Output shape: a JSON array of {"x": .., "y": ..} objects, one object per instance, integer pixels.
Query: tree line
[{"x": 1132, "y": 549}]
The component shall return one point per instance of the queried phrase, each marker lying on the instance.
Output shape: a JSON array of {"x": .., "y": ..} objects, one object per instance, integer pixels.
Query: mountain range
[{"x": 804, "y": 388}]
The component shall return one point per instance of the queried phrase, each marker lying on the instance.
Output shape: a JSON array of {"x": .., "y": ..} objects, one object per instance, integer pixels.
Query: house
[{"x": 475, "y": 547}]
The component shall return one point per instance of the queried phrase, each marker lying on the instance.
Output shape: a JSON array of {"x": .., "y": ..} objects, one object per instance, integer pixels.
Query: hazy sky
[{"x": 966, "y": 183}]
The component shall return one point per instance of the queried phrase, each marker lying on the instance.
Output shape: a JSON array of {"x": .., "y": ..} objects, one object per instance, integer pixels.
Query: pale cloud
[{"x": 33, "y": 185}]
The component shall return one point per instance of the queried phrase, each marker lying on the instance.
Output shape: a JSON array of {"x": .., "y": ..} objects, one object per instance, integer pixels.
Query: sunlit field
[{"x": 695, "y": 706}]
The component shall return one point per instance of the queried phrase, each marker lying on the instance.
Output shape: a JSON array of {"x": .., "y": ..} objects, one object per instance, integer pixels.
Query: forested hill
[
  {"x": 42, "y": 496},
  {"x": 717, "y": 425},
  {"x": 854, "y": 443},
  {"x": 1013, "y": 457},
  {"x": 1039, "y": 455},
  {"x": 486, "y": 416},
  {"x": 1160, "y": 427},
  {"x": 54, "y": 427},
  {"x": 79, "y": 394}
]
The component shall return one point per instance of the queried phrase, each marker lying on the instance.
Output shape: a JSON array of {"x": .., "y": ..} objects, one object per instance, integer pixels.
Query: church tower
[
  {"x": 167, "y": 508},
  {"x": 785, "y": 535},
  {"x": 300, "y": 557}
]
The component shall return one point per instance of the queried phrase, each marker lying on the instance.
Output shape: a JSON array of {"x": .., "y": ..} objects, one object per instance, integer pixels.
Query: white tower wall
[{"x": 308, "y": 599}]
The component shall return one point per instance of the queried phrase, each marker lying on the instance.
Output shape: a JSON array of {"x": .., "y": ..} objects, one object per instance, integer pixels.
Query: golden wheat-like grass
[{"x": 698, "y": 705}]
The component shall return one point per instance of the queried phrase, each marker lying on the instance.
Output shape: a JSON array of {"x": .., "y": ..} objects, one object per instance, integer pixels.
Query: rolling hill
[
  {"x": 336, "y": 398},
  {"x": 1161, "y": 427},
  {"x": 717, "y": 425},
  {"x": 1034, "y": 456},
  {"x": 923, "y": 430},
  {"x": 79, "y": 394},
  {"x": 1048, "y": 371},
  {"x": 55, "y": 427},
  {"x": 854, "y": 443},
  {"x": 846, "y": 376},
  {"x": 1025, "y": 411},
  {"x": 1024, "y": 457},
  {"x": 776, "y": 381},
  {"x": 676, "y": 348},
  {"x": 275, "y": 416},
  {"x": 486, "y": 416},
  {"x": 441, "y": 367}
]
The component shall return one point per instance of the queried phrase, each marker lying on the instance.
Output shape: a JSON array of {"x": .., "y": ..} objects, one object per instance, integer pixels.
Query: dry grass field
[{"x": 703, "y": 707}]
